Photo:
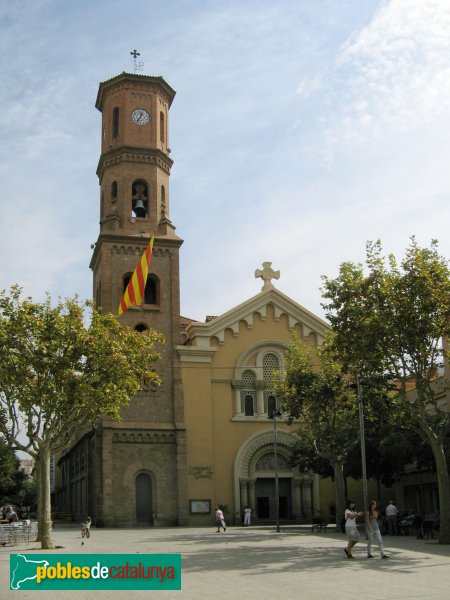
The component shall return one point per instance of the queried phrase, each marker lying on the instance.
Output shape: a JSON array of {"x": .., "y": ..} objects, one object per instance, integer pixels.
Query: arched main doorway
[
  {"x": 255, "y": 479},
  {"x": 265, "y": 507},
  {"x": 144, "y": 499}
]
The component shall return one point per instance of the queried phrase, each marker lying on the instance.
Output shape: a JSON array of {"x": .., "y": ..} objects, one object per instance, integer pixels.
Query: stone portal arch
[{"x": 254, "y": 478}]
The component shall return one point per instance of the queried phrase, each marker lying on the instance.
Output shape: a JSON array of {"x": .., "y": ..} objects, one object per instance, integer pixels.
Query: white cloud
[{"x": 397, "y": 69}]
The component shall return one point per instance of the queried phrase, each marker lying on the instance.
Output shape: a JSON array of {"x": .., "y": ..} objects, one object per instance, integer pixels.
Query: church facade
[
  {"x": 228, "y": 365},
  {"x": 209, "y": 434},
  {"x": 205, "y": 436}
]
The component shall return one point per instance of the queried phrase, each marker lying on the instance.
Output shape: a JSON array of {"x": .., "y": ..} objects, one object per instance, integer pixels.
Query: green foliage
[
  {"x": 388, "y": 325},
  {"x": 389, "y": 449},
  {"x": 11, "y": 479},
  {"x": 26, "y": 495},
  {"x": 305, "y": 457},
  {"x": 58, "y": 374},
  {"x": 321, "y": 399},
  {"x": 390, "y": 321}
]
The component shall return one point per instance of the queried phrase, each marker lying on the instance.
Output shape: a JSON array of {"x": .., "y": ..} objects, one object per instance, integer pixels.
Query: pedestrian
[
  {"x": 247, "y": 515},
  {"x": 86, "y": 528},
  {"x": 351, "y": 529},
  {"x": 11, "y": 515},
  {"x": 220, "y": 521},
  {"x": 392, "y": 518},
  {"x": 373, "y": 530}
]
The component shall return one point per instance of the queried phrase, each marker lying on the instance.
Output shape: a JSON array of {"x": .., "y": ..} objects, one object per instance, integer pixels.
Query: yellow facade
[{"x": 229, "y": 453}]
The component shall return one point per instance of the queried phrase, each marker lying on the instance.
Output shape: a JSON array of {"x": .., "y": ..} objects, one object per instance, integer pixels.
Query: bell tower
[
  {"x": 134, "y": 165},
  {"x": 140, "y": 463}
]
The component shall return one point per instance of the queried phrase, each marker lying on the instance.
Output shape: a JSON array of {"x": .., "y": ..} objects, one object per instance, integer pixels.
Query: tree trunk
[
  {"x": 339, "y": 485},
  {"x": 421, "y": 500},
  {"x": 378, "y": 490},
  {"x": 38, "y": 497},
  {"x": 444, "y": 489},
  {"x": 44, "y": 496}
]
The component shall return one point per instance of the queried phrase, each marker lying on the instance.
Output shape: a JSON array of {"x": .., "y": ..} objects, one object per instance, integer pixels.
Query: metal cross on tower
[{"x": 138, "y": 66}]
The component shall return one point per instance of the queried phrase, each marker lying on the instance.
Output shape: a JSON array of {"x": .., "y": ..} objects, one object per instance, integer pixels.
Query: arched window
[
  {"x": 140, "y": 327},
  {"x": 126, "y": 281},
  {"x": 163, "y": 202},
  {"x": 139, "y": 199},
  {"x": 248, "y": 406},
  {"x": 151, "y": 295},
  {"x": 271, "y": 406},
  {"x": 151, "y": 292},
  {"x": 162, "y": 132},
  {"x": 114, "y": 190},
  {"x": 248, "y": 393},
  {"x": 271, "y": 363},
  {"x": 98, "y": 295},
  {"x": 115, "y": 122}
]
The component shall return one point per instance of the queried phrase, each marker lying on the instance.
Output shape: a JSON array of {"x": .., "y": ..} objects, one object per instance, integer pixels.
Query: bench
[{"x": 318, "y": 524}]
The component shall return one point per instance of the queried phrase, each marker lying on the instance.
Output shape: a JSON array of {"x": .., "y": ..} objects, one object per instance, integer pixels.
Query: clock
[{"x": 139, "y": 116}]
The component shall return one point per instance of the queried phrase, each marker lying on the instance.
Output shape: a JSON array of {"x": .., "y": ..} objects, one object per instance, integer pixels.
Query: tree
[
  {"x": 389, "y": 449},
  {"x": 58, "y": 374},
  {"x": 390, "y": 323},
  {"x": 321, "y": 399},
  {"x": 306, "y": 459}
]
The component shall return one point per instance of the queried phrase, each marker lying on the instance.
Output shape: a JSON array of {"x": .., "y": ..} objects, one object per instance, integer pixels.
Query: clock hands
[{"x": 140, "y": 116}]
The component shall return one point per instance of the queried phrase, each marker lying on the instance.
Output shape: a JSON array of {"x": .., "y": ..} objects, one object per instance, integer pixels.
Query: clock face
[{"x": 140, "y": 116}]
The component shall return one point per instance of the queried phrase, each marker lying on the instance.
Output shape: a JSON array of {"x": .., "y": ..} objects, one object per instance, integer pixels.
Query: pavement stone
[{"x": 255, "y": 563}]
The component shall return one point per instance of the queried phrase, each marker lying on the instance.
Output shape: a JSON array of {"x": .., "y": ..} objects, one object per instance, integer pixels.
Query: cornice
[
  {"x": 201, "y": 333},
  {"x": 143, "y": 156},
  {"x": 133, "y": 244},
  {"x": 143, "y": 438},
  {"x": 138, "y": 80},
  {"x": 193, "y": 354}
]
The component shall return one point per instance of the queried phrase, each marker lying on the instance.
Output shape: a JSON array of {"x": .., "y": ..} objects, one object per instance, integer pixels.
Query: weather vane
[{"x": 138, "y": 66}]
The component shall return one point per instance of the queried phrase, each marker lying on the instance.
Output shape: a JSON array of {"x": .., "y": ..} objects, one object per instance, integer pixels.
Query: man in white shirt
[{"x": 392, "y": 518}]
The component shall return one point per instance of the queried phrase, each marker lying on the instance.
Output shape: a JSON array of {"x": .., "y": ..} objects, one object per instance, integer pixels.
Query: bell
[{"x": 140, "y": 209}]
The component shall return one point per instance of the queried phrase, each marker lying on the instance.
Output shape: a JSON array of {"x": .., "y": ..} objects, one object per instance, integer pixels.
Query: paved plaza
[{"x": 255, "y": 563}]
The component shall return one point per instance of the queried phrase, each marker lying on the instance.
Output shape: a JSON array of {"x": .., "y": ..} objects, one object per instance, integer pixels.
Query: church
[{"x": 207, "y": 435}]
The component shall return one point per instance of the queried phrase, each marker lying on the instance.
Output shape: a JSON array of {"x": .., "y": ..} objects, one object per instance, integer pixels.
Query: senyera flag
[{"x": 135, "y": 289}]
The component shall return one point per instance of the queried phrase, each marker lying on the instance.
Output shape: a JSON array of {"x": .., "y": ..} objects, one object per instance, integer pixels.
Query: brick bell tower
[{"x": 140, "y": 462}]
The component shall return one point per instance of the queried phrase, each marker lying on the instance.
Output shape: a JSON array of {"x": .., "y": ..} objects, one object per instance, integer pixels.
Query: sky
[{"x": 300, "y": 131}]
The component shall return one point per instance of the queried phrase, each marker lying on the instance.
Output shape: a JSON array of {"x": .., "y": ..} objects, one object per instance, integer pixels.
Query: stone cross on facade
[{"x": 267, "y": 274}]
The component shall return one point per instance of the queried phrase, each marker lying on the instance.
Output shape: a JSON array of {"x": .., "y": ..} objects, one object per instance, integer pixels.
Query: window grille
[
  {"x": 248, "y": 392},
  {"x": 271, "y": 363}
]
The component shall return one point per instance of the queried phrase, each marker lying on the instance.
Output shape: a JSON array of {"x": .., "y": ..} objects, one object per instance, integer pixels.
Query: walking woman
[
  {"x": 350, "y": 527},
  {"x": 373, "y": 530}
]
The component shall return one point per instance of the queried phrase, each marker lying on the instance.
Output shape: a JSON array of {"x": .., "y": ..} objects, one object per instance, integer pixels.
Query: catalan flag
[{"x": 134, "y": 293}]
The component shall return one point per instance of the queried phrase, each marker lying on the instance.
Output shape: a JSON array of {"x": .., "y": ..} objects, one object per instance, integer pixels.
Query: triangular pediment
[{"x": 200, "y": 333}]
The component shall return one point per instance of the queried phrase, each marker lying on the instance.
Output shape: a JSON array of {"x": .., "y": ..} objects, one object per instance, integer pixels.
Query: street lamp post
[
  {"x": 274, "y": 416},
  {"x": 363, "y": 441}
]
